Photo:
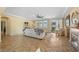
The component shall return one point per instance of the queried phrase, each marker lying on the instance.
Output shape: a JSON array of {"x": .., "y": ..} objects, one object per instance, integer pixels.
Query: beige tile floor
[{"x": 28, "y": 44}]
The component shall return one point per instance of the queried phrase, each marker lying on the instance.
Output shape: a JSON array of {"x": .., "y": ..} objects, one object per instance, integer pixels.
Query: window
[
  {"x": 56, "y": 24},
  {"x": 42, "y": 24}
]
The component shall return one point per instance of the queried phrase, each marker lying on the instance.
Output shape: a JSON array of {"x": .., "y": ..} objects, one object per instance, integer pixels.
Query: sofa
[{"x": 36, "y": 33}]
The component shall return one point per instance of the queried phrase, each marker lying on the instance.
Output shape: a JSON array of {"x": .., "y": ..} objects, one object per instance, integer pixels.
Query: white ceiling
[{"x": 31, "y": 12}]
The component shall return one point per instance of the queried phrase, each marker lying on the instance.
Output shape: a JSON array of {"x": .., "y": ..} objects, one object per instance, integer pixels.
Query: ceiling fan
[{"x": 39, "y": 16}]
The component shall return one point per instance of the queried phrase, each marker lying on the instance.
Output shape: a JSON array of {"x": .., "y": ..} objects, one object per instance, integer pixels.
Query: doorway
[{"x": 3, "y": 27}]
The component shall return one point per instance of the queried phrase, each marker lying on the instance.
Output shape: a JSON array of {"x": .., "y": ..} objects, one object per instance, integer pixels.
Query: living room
[{"x": 36, "y": 29}]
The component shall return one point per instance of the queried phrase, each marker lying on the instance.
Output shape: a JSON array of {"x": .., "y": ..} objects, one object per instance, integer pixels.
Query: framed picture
[{"x": 26, "y": 23}]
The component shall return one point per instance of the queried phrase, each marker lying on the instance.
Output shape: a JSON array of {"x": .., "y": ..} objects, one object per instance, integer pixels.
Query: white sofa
[{"x": 33, "y": 33}]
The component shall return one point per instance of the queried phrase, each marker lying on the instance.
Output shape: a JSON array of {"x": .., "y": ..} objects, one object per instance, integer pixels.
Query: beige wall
[
  {"x": 1, "y": 12},
  {"x": 2, "y": 9},
  {"x": 31, "y": 23},
  {"x": 15, "y": 25},
  {"x": 0, "y": 28}
]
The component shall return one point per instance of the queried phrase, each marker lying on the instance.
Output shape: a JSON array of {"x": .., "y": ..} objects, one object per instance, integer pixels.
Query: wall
[
  {"x": 16, "y": 25},
  {"x": 0, "y": 28},
  {"x": 1, "y": 12},
  {"x": 31, "y": 23}
]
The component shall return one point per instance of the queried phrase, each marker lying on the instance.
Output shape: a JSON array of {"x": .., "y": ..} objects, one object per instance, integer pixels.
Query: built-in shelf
[{"x": 74, "y": 38}]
